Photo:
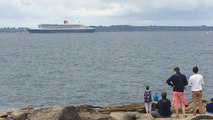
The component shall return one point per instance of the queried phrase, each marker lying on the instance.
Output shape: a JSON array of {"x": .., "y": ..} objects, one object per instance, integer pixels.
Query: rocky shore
[{"x": 135, "y": 111}]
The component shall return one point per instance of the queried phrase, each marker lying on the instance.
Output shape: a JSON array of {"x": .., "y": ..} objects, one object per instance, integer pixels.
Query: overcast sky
[{"x": 30, "y": 13}]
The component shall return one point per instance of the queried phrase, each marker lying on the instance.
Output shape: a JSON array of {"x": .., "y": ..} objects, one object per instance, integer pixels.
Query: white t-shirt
[{"x": 196, "y": 81}]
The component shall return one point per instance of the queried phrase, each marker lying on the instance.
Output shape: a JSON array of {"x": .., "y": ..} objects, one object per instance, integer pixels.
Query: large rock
[
  {"x": 55, "y": 113},
  {"x": 122, "y": 116},
  {"x": 20, "y": 114},
  {"x": 135, "y": 107},
  {"x": 189, "y": 107},
  {"x": 93, "y": 116},
  {"x": 203, "y": 117},
  {"x": 49, "y": 113},
  {"x": 88, "y": 112},
  {"x": 133, "y": 111},
  {"x": 129, "y": 116}
]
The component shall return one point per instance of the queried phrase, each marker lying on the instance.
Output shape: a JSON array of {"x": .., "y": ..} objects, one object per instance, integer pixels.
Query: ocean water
[{"x": 103, "y": 68}]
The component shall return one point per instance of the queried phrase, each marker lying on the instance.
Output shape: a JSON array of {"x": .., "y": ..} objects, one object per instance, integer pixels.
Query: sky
[{"x": 30, "y": 13}]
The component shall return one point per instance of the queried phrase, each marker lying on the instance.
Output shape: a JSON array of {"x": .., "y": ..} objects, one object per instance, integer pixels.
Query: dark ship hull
[{"x": 61, "y": 30}]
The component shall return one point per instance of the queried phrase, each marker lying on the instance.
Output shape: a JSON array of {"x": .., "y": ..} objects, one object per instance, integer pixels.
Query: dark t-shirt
[
  {"x": 163, "y": 107},
  {"x": 209, "y": 107},
  {"x": 178, "y": 82}
]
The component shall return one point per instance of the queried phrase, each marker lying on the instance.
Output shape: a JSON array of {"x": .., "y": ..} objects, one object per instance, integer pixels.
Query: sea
[{"x": 99, "y": 69}]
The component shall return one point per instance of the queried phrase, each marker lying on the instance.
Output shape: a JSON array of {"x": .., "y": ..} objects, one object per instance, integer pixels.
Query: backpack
[{"x": 147, "y": 96}]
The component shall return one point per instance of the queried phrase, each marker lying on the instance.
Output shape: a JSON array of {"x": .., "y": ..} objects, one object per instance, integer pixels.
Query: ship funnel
[{"x": 65, "y": 22}]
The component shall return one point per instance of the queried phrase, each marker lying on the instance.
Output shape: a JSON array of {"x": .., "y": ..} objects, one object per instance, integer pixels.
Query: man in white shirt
[{"x": 196, "y": 82}]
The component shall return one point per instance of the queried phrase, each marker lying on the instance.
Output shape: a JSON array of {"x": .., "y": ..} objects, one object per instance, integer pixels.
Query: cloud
[{"x": 102, "y": 12}]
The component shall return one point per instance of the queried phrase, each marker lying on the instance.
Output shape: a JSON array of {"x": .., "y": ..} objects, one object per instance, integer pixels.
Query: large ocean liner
[{"x": 62, "y": 28}]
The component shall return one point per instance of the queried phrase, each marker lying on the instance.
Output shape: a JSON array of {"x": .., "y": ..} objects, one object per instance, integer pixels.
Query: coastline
[
  {"x": 134, "y": 111},
  {"x": 124, "y": 28}
]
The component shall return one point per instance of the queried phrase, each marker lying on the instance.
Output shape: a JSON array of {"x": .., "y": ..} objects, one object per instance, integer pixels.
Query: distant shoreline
[{"x": 126, "y": 28}]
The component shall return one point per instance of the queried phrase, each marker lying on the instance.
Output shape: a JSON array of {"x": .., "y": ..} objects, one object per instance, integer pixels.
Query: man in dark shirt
[
  {"x": 163, "y": 107},
  {"x": 209, "y": 107}
]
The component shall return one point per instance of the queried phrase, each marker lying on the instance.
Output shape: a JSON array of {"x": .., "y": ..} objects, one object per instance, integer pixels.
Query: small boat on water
[{"x": 62, "y": 28}]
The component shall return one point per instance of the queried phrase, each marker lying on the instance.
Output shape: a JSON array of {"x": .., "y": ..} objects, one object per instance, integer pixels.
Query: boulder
[
  {"x": 55, "y": 113},
  {"x": 20, "y": 114},
  {"x": 88, "y": 112},
  {"x": 129, "y": 116},
  {"x": 87, "y": 108},
  {"x": 94, "y": 116},
  {"x": 122, "y": 116},
  {"x": 135, "y": 107},
  {"x": 203, "y": 117},
  {"x": 133, "y": 111},
  {"x": 189, "y": 107}
]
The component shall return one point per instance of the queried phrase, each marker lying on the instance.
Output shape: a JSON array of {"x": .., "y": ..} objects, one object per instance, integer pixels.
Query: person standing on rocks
[
  {"x": 178, "y": 82},
  {"x": 148, "y": 100},
  {"x": 196, "y": 82}
]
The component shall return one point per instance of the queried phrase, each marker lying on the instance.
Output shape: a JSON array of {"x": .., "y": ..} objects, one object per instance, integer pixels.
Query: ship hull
[{"x": 61, "y": 30}]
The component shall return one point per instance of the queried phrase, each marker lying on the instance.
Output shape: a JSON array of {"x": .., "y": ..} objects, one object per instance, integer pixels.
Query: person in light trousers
[{"x": 196, "y": 82}]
